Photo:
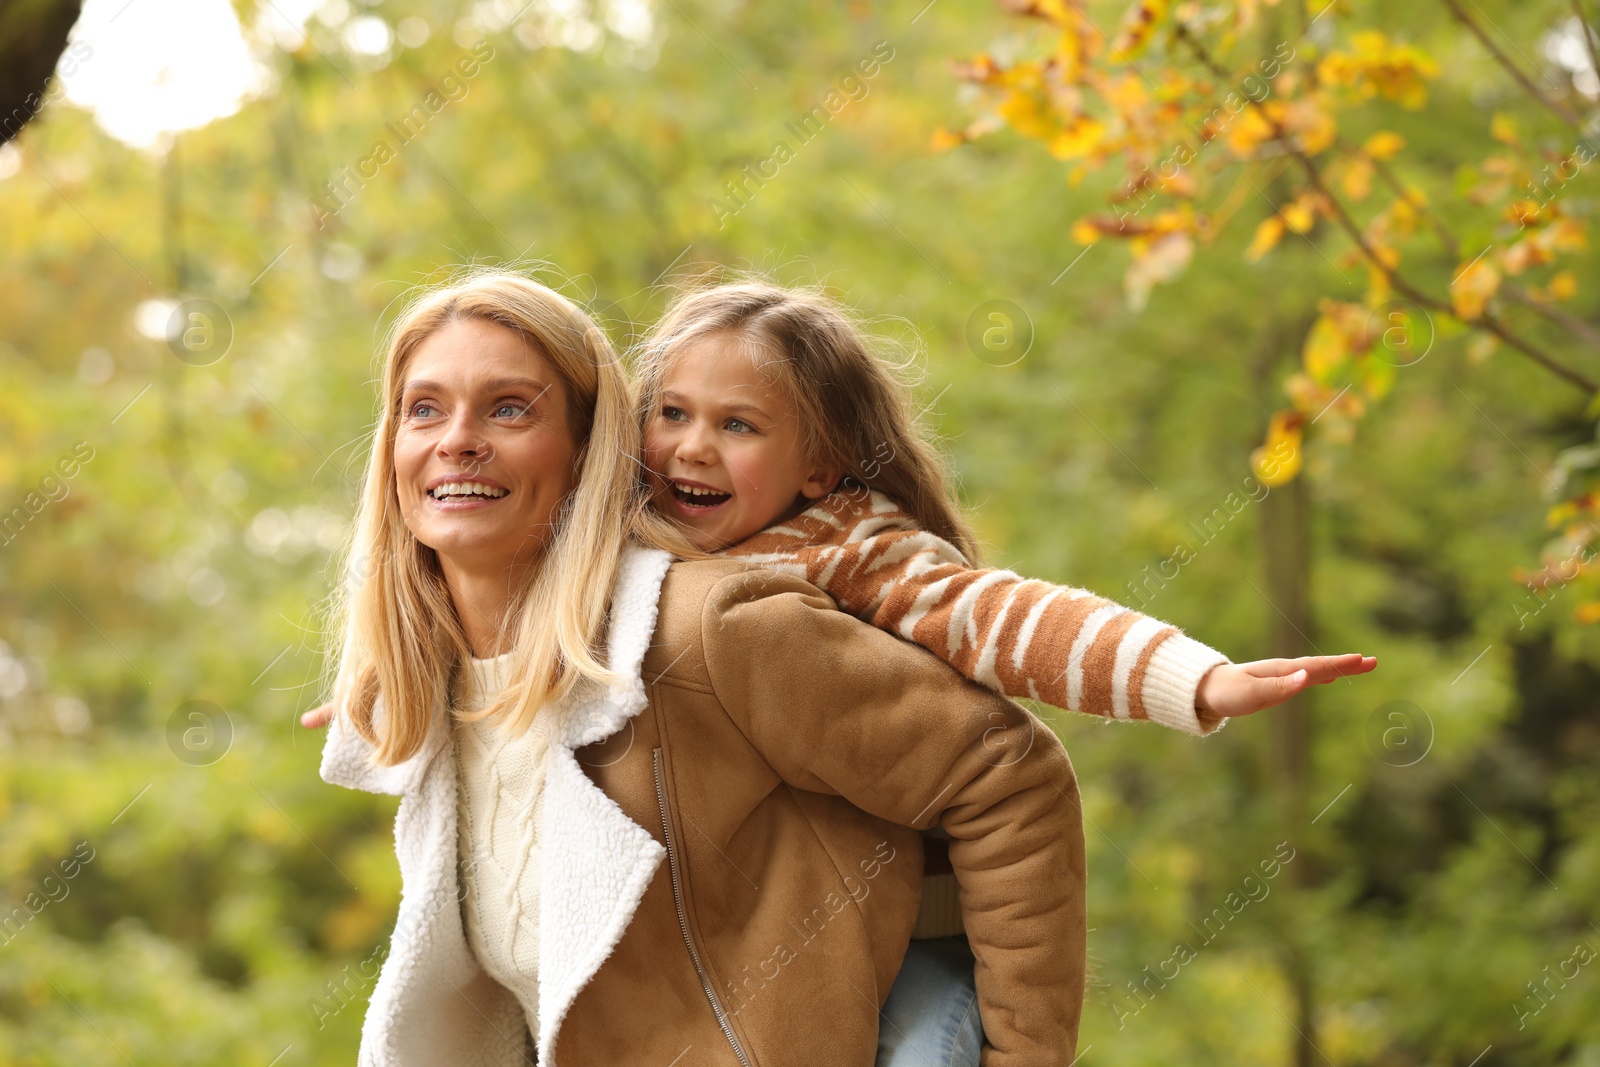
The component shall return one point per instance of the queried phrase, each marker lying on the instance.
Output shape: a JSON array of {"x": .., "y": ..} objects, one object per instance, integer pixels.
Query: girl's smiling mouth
[{"x": 695, "y": 498}]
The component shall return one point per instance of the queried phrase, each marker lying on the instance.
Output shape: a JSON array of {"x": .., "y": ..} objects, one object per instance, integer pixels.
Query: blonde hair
[
  {"x": 399, "y": 631},
  {"x": 855, "y": 411}
]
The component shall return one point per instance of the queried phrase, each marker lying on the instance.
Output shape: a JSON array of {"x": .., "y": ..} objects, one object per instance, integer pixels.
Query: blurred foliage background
[{"x": 176, "y": 883}]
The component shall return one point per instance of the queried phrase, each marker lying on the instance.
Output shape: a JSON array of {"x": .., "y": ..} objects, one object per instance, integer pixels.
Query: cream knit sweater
[{"x": 500, "y": 796}]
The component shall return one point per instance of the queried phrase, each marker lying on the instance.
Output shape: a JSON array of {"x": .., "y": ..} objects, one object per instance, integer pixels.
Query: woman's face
[{"x": 484, "y": 453}]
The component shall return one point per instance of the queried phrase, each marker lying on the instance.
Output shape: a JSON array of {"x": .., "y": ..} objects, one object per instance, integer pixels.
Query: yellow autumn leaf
[
  {"x": 1402, "y": 218},
  {"x": 1560, "y": 513},
  {"x": 1336, "y": 68},
  {"x": 1384, "y": 144},
  {"x": 1299, "y": 213},
  {"x": 1522, "y": 255},
  {"x": 1174, "y": 220},
  {"x": 1027, "y": 113},
  {"x": 1305, "y": 394},
  {"x": 1085, "y": 232},
  {"x": 1181, "y": 183},
  {"x": 1377, "y": 378},
  {"x": 1565, "y": 235},
  {"x": 944, "y": 140},
  {"x": 1126, "y": 94},
  {"x": 1325, "y": 349},
  {"x": 1522, "y": 211},
  {"x": 1402, "y": 76},
  {"x": 1268, "y": 233},
  {"x": 1380, "y": 66},
  {"x": 1356, "y": 181},
  {"x": 1056, "y": 11},
  {"x": 1081, "y": 43},
  {"x": 1159, "y": 262},
  {"x": 1587, "y": 614},
  {"x": 1503, "y": 128},
  {"x": 1472, "y": 288},
  {"x": 1277, "y": 461},
  {"x": 1370, "y": 44},
  {"x": 1078, "y": 137},
  {"x": 1069, "y": 55},
  {"x": 1564, "y": 286},
  {"x": 1315, "y": 125},
  {"x": 1138, "y": 26},
  {"x": 1248, "y": 131},
  {"x": 1378, "y": 287},
  {"x": 1481, "y": 348}
]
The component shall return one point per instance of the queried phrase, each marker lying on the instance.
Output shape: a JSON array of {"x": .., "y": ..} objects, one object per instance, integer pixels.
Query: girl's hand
[
  {"x": 1232, "y": 689},
  {"x": 317, "y": 717}
]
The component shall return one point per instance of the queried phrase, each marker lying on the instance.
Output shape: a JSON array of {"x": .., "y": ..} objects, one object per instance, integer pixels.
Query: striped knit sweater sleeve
[{"x": 1020, "y": 637}]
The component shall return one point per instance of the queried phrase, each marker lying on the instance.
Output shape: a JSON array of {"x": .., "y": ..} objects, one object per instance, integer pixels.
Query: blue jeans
[{"x": 931, "y": 1016}]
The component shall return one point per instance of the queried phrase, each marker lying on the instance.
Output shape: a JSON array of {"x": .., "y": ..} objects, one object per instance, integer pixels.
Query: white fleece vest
[{"x": 433, "y": 1002}]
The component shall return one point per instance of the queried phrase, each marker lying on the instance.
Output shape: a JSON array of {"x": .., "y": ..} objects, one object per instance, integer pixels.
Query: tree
[
  {"x": 33, "y": 34},
  {"x": 1203, "y": 124}
]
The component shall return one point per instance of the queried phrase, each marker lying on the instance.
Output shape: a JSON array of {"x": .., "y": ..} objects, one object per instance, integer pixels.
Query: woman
[{"x": 654, "y": 812}]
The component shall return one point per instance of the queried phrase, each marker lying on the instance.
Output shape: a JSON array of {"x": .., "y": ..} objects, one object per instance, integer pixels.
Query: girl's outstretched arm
[
  {"x": 1020, "y": 636},
  {"x": 1227, "y": 690}
]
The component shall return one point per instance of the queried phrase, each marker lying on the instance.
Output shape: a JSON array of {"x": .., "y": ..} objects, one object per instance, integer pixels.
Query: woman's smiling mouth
[{"x": 456, "y": 493}]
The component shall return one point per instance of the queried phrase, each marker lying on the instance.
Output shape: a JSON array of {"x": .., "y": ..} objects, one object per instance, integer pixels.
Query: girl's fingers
[
  {"x": 1319, "y": 669},
  {"x": 1293, "y": 683},
  {"x": 1332, "y": 668},
  {"x": 1245, "y": 688},
  {"x": 1271, "y": 668},
  {"x": 1268, "y": 692}
]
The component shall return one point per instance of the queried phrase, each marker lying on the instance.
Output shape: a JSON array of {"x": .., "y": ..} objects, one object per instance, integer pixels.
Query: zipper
[{"x": 683, "y": 917}]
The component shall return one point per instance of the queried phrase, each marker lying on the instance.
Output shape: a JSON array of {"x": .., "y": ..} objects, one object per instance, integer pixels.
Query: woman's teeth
[
  {"x": 453, "y": 489},
  {"x": 693, "y": 494}
]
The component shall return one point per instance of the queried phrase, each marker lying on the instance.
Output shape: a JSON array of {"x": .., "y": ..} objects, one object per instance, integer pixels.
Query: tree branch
[
  {"x": 1588, "y": 36},
  {"x": 1387, "y": 174},
  {"x": 1561, "y": 317},
  {"x": 1556, "y": 107},
  {"x": 1486, "y": 322}
]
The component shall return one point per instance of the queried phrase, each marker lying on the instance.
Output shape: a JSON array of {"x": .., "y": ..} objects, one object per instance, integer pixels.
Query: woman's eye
[
  {"x": 509, "y": 411},
  {"x": 422, "y": 410}
]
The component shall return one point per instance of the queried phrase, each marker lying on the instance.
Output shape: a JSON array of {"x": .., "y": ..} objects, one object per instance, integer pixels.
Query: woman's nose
[{"x": 463, "y": 438}]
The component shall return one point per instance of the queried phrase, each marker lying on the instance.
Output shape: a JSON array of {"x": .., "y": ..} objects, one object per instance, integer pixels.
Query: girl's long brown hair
[{"x": 855, "y": 411}]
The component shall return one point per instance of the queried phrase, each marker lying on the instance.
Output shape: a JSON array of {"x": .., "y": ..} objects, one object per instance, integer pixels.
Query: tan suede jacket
[
  {"x": 785, "y": 756},
  {"x": 740, "y": 887}
]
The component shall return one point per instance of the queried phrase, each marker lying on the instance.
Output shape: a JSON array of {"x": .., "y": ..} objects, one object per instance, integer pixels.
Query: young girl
[{"x": 774, "y": 435}]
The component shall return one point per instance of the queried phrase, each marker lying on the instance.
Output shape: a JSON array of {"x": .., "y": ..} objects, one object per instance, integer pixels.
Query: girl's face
[
  {"x": 483, "y": 454},
  {"x": 723, "y": 446}
]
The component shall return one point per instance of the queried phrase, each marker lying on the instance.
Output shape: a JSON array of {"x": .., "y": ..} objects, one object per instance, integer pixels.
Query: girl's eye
[
  {"x": 672, "y": 414},
  {"x": 740, "y": 426}
]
